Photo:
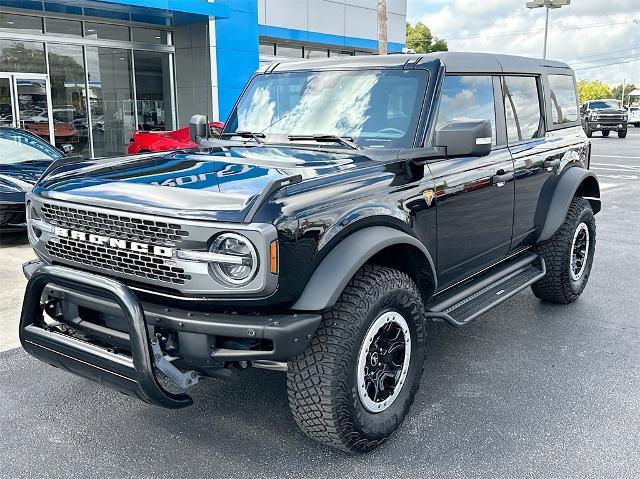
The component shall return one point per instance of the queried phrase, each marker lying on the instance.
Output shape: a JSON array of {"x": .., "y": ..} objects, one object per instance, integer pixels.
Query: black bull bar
[{"x": 133, "y": 375}]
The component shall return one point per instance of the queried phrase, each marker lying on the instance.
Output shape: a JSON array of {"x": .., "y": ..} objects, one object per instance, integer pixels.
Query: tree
[
  {"x": 421, "y": 40},
  {"x": 593, "y": 90},
  {"x": 616, "y": 92}
]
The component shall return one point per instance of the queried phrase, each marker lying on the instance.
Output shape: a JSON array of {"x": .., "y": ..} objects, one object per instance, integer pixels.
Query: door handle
[
  {"x": 500, "y": 180},
  {"x": 550, "y": 163}
]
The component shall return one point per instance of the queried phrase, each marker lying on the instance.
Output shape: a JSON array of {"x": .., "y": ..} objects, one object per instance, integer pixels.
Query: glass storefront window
[
  {"x": 110, "y": 99},
  {"x": 148, "y": 35},
  {"x": 6, "y": 105},
  {"x": 22, "y": 57},
  {"x": 288, "y": 51},
  {"x": 315, "y": 52},
  {"x": 338, "y": 53},
  {"x": 153, "y": 90},
  {"x": 103, "y": 31},
  {"x": 71, "y": 28},
  {"x": 20, "y": 23},
  {"x": 267, "y": 48},
  {"x": 68, "y": 97}
]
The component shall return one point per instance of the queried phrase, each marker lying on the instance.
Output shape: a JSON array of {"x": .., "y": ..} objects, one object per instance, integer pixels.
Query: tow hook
[{"x": 183, "y": 380}]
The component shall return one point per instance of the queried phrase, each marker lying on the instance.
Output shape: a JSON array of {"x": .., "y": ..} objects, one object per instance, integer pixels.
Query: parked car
[
  {"x": 346, "y": 202},
  {"x": 605, "y": 116},
  {"x": 24, "y": 158},
  {"x": 150, "y": 141},
  {"x": 634, "y": 116}
]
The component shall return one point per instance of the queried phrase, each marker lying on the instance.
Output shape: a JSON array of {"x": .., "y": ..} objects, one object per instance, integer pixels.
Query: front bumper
[
  {"x": 129, "y": 365},
  {"x": 12, "y": 215},
  {"x": 612, "y": 125}
]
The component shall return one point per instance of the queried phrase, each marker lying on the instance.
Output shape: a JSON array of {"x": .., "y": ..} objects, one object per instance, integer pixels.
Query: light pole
[{"x": 548, "y": 4}]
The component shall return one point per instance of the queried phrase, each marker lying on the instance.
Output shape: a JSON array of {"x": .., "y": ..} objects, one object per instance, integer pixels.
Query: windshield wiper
[
  {"x": 343, "y": 140},
  {"x": 246, "y": 134}
]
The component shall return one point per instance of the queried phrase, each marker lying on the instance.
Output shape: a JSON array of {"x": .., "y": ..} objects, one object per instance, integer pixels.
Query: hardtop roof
[{"x": 455, "y": 62}]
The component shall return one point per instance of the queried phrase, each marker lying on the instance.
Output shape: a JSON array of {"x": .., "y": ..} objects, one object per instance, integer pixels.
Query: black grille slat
[{"x": 123, "y": 227}]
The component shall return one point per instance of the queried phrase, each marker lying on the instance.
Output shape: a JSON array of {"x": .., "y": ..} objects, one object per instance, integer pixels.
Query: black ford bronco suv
[
  {"x": 346, "y": 203},
  {"x": 605, "y": 116}
]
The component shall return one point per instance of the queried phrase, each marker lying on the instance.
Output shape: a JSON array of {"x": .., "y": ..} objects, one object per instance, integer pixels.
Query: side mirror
[
  {"x": 465, "y": 138},
  {"x": 198, "y": 128},
  {"x": 67, "y": 149}
]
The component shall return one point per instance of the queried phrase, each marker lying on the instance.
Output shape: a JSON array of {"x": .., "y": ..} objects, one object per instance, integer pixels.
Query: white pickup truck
[{"x": 634, "y": 116}]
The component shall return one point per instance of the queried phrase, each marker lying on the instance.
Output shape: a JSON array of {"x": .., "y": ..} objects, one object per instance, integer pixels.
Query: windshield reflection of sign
[{"x": 206, "y": 179}]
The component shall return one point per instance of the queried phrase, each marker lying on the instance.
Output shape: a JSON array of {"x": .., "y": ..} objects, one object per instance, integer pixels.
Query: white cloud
[{"x": 577, "y": 32}]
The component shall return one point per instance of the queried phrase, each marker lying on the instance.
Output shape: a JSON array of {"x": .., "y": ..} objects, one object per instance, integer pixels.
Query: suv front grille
[
  {"x": 113, "y": 225},
  {"x": 127, "y": 262}
]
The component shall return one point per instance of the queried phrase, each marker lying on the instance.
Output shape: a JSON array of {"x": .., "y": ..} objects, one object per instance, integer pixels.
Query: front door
[
  {"x": 25, "y": 102},
  {"x": 475, "y": 196}
]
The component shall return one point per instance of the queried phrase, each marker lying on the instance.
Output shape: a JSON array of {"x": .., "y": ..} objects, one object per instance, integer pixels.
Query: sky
[{"x": 587, "y": 34}]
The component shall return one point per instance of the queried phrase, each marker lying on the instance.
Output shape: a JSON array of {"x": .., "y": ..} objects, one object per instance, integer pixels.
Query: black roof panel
[{"x": 455, "y": 62}]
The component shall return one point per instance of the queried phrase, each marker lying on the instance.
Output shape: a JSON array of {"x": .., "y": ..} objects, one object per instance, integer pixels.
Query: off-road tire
[
  {"x": 605, "y": 133},
  {"x": 622, "y": 133},
  {"x": 322, "y": 380},
  {"x": 558, "y": 286},
  {"x": 588, "y": 131}
]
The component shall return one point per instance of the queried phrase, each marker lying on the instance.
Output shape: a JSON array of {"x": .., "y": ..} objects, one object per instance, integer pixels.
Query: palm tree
[{"x": 382, "y": 27}]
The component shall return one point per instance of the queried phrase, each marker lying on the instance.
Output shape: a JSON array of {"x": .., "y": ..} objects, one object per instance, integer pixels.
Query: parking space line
[{"x": 615, "y": 156}]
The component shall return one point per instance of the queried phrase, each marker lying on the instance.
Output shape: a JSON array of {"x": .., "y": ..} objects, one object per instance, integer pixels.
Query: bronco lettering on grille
[{"x": 113, "y": 242}]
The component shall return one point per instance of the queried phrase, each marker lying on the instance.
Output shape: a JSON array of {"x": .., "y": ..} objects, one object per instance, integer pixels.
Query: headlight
[{"x": 234, "y": 247}]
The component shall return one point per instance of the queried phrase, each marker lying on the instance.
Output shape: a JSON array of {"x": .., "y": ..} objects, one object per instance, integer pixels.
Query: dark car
[
  {"x": 346, "y": 203},
  {"x": 23, "y": 158},
  {"x": 605, "y": 116}
]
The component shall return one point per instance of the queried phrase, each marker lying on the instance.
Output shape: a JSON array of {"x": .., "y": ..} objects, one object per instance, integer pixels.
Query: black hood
[{"x": 220, "y": 185}]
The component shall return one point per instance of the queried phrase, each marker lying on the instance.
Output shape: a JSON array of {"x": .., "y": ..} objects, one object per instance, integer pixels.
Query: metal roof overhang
[{"x": 160, "y": 12}]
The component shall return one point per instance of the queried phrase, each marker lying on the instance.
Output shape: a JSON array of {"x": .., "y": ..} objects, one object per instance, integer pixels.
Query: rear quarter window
[{"x": 564, "y": 102}]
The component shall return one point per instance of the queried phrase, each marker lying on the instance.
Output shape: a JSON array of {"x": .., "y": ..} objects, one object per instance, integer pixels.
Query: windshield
[
  {"x": 374, "y": 108},
  {"x": 603, "y": 104},
  {"x": 17, "y": 146}
]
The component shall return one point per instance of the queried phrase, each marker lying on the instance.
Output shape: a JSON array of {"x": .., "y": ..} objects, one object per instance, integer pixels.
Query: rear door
[
  {"x": 538, "y": 156},
  {"x": 475, "y": 194}
]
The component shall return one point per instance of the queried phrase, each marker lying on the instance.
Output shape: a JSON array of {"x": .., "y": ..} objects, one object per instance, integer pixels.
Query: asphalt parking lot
[{"x": 527, "y": 390}]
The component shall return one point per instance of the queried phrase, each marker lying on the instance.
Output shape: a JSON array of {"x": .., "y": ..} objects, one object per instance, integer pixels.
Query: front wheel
[
  {"x": 353, "y": 385},
  {"x": 588, "y": 131},
  {"x": 622, "y": 133},
  {"x": 568, "y": 255}
]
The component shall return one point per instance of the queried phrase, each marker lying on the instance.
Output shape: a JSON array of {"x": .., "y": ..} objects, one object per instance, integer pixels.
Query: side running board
[{"x": 469, "y": 300}]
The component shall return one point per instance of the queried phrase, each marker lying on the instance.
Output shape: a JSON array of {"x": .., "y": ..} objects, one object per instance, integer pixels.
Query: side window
[
  {"x": 564, "y": 102},
  {"x": 522, "y": 108},
  {"x": 467, "y": 98}
]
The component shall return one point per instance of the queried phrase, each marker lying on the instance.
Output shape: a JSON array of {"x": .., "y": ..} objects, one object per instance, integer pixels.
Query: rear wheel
[
  {"x": 353, "y": 385},
  {"x": 605, "y": 133},
  {"x": 622, "y": 133},
  {"x": 568, "y": 255}
]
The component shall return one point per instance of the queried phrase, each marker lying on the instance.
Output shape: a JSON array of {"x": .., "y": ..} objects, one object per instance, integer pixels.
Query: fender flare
[
  {"x": 346, "y": 258},
  {"x": 554, "y": 202}
]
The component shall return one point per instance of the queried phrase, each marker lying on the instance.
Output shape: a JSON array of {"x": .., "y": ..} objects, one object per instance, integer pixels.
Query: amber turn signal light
[{"x": 273, "y": 257}]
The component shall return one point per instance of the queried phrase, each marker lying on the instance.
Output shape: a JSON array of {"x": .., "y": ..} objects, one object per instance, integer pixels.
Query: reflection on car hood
[
  {"x": 20, "y": 177},
  {"x": 609, "y": 111},
  {"x": 221, "y": 184}
]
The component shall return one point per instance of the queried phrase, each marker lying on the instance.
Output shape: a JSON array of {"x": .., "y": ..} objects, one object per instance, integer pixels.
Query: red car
[{"x": 148, "y": 141}]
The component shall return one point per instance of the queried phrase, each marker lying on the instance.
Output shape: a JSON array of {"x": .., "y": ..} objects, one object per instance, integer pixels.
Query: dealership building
[{"x": 88, "y": 73}]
